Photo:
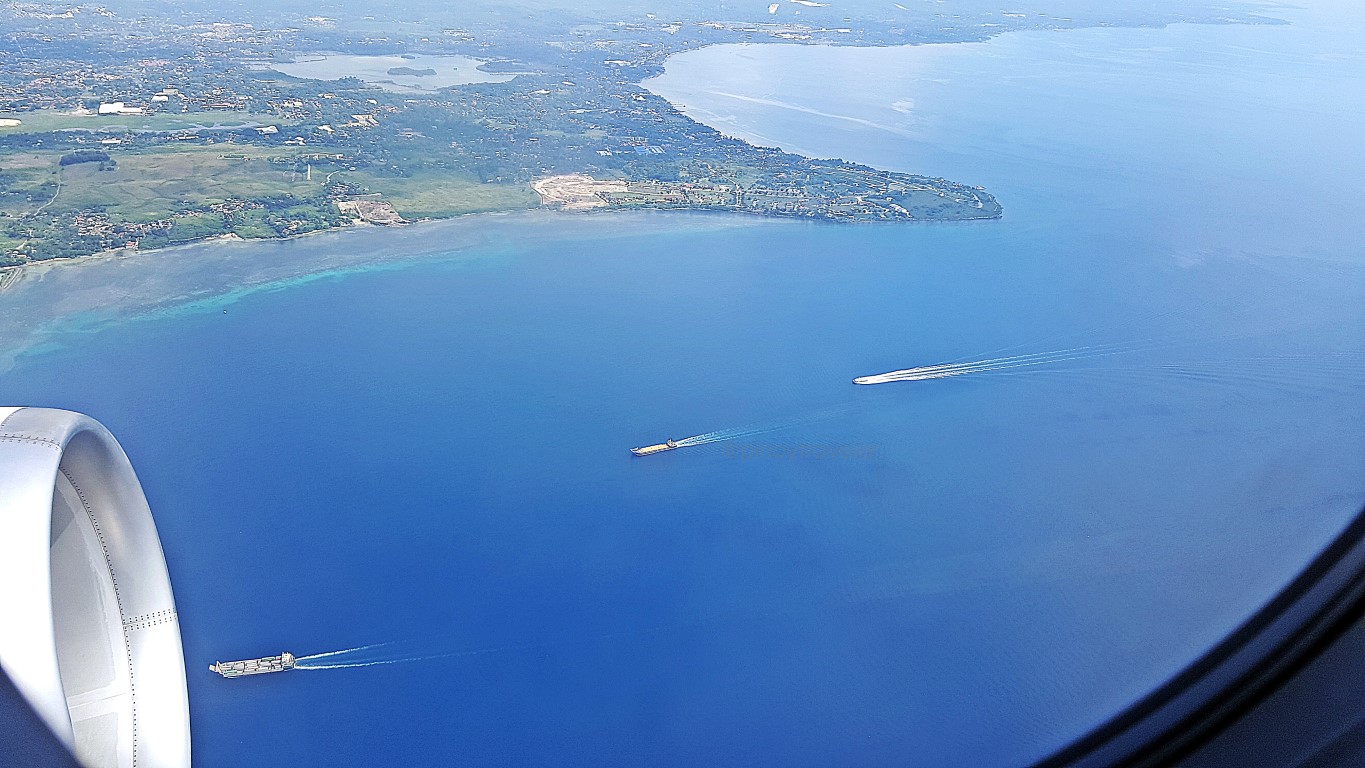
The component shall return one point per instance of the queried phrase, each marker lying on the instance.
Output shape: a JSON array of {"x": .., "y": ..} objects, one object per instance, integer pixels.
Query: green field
[
  {"x": 48, "y": 120},
  {"x": 187, "y": 192},
  {"x": 27, "y": 181},
  {"x": 433, "y": 195},
  {"x": 153, "y": 184}
]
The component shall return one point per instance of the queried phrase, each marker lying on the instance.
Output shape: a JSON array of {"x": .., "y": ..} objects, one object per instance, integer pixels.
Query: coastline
[
  {"x": 122, "y": 283},
  {"x": 12, "y": 277},
  {"x": 44, "y": 301},
  {"x": 547, "y": 363}
]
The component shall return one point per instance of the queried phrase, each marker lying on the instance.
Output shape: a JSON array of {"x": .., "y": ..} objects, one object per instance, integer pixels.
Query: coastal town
[{"x": 122, "y": 130}]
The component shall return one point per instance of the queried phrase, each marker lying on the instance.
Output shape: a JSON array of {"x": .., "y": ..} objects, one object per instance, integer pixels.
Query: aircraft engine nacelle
[{"x": 88, "y": 628}]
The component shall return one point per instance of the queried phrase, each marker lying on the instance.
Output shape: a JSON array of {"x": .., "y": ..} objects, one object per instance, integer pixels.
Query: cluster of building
[{"x": 579, "y": 109}]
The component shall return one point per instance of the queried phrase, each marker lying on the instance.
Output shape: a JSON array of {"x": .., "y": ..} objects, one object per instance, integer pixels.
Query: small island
[{"x": 411, "y": 72}]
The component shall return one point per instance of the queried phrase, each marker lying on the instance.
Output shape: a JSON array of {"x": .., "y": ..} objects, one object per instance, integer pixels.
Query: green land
[{"x": 207, "y": 140}]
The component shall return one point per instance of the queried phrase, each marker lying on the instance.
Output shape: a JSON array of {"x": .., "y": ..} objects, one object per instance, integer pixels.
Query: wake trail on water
[
  {"x": 1327, "y": 372},
  {"x": 357, "y": 649},
  {"x": 414, "y": 654},
  {"x": 752, "y": 430},
  {"x": 1198, "y": 329},
  {"x": 945, "y": 370},
  {"x": 1228, "y": 326},
  {"x": 398, "y": 660},
  {"x": 727, "y": 434},
  {"x": 1057, "y": 357},
  {"x": 1102, "y": 329}
]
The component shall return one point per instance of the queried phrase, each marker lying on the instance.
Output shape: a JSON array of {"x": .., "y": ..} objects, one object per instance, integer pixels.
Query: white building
[{"x": 118, "y": 108}]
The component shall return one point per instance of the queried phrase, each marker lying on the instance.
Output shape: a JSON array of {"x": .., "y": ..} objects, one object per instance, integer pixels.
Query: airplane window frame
[{"x": 1238, "y": 674}]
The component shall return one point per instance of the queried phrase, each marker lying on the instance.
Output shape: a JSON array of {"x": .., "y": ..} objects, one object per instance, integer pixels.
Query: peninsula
[{"x": 123, "y": 129}]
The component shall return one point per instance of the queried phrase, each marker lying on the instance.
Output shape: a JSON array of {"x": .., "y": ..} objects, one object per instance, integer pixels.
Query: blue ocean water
[{"x": 967, "y": 571}]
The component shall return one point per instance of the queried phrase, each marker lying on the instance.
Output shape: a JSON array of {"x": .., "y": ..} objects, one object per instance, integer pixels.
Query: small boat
[
  {"x": 282, "y": 663},
  {"x": 667, "y": 445}
]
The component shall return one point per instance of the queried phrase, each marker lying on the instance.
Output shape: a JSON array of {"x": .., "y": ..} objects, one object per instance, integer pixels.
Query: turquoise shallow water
[{"x": 965, "y": 571}]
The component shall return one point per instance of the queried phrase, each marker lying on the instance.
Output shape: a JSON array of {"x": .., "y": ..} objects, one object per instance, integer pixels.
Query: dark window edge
[{"x": 1238, "y": 673}]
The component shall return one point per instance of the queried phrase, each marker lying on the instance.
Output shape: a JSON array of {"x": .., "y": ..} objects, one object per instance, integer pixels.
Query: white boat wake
[
  {"x": 340, "y": 652},
  {"x": 751, "y": 430},
  {"x": 409, "y": 652},
  {"x": 945, "y": 370},
  {"x": 1347, "y": 364},
  {"x": 397, "y": 660},
  {"x": 728, "y": 434}
]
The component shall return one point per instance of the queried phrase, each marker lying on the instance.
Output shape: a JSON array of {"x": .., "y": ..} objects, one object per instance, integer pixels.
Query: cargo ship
[
  {"x": 282, "y": 663},
  {"x": 667, "y": 445}
]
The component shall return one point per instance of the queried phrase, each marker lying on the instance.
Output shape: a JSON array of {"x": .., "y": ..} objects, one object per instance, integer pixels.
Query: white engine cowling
[{"x": 88, "y": 628}]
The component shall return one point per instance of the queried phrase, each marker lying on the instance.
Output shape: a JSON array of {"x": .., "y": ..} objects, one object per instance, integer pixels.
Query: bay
[{"x": 968, "y": 571}]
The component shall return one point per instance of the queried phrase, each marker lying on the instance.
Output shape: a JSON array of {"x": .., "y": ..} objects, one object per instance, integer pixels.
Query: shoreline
[
  {"x": 644, "y": 83},
  {"x": 42, "y": 301},
  {"x": 12, "y": 277},
  {"x": 49, "y": 300}
]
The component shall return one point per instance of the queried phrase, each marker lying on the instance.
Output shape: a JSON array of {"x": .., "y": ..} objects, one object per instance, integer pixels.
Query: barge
[
  {"x": 667, "y": 445},
  {"x": 282, "y": 663}
]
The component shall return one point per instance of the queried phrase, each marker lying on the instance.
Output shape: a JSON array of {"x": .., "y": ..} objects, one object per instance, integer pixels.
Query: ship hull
[{"x": 262, "y": 666}]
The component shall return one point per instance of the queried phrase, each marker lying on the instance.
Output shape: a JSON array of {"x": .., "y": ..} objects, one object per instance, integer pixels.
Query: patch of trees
[{"x": 84, "y": 156}]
